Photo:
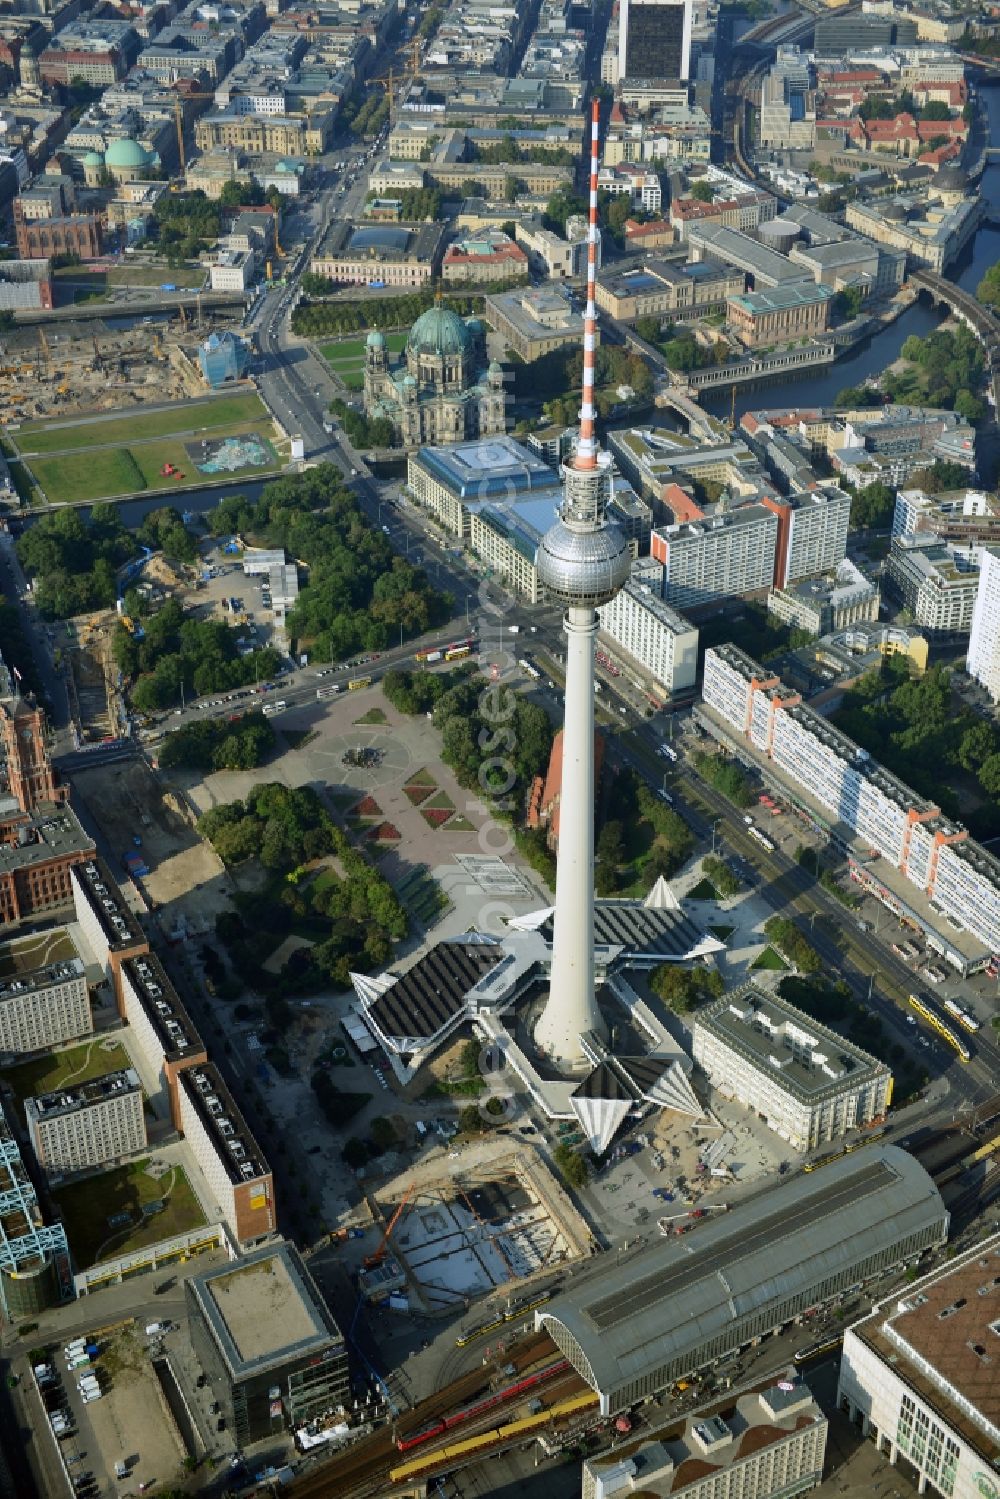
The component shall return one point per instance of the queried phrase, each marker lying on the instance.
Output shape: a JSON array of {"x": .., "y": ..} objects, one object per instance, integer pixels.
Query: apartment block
[
  {"x": 812, "y": 532},
  {"x": 956, "y": 881},
  {"x": 804, "y": 1081},
  {"x": 90, "y": 1125},
  {"x": 936, "y": 582},
  {"x": 228, "y": 1155},
  {"x": 44, "y": 1005},
  {"x": 969, "y": 518},
  {"x": 766, "y": 1443},
  {"x": 710, "y": 559},
  {"x": 983, "y": 660},
  {"x": 917, "y": 1376},
  {"x": 109, "y": 928},
  {"x": 160, "y": 1029},
  {"x": 663, "y": 642}
]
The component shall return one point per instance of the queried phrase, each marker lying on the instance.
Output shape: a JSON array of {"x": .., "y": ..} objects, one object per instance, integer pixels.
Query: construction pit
[{"x": 480, "y": 1231}]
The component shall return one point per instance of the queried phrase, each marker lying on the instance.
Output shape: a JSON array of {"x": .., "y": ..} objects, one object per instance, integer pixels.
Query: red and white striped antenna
[{"x": 586, "y": 453}]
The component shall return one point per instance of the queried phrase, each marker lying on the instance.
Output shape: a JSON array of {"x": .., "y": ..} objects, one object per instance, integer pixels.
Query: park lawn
[
  {"x": 132, "y": 275},
  {"x": 350, "y": 351},
  {"x": 29, "y": 953},
  {"x": 58, "y": 437},
  {"x": 103, "y": 473},
  {"x": 76, "y": 1065},
  {"x": 87, "y": 1205},
  {"x": 87, "y": 476},
  {"x": 771, "y": 960}
]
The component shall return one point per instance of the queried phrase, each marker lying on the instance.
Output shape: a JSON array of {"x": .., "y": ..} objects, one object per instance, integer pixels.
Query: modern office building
[
  {"x": 453, "y": 480},
  {"x": 807, "y": 1084},
  {"x": 634, "y": 1327},
  {"x": 265, "y": 1338},
  {"x": 160, "y": 1030},
  {"x": 91, "y": 1124},
  {"x": 110, "y": 930},
  {"x": 44, "y": 997},
  {"x": 710, "y": 559},
  {"x": 223, "y": 357},
  {"x": 660, "y": 640},
  {"x": 983, "y": 660},
  {"x": 970, "y": 518},
  {"x": 918, "y": 1376},
  {"x": 229, "y": 1156},
  {"x": 654, "y": 39},
  {"x": 938, "y": 583},
  {"x": 767, "y": 1443},
  {"x": 949, "y": 883},
  {"x": 834, "y": 601}
]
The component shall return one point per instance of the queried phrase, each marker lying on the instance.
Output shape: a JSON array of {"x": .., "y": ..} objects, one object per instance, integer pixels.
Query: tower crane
[
  {"x": 179, "y": 121},
  {"x": 371, "y": 1260}
]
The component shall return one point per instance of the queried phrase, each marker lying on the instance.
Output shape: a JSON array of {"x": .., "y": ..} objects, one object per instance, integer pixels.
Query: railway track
[{"x": 363, "y": 1469}]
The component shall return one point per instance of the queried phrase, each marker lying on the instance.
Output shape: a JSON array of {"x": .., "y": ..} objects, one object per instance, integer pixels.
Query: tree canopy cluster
[
  {"x": 759, "y": 633},
  {"x": 15, "y": 648},
  {"x": 562, "y": 376},
  {"x": 186, "y": 224},
  {"x": 164, "y": 531},
  {"x": 507, "y": 150},
  {"x": 641, "y": 841},
  {"x": 988, "y": 290},
  {"x": 785, "y": 935},
  {"x": 684, "y": 989},
  {"x": 940, "y": 475},
  {"x": 873, "y": 505},
  {"x": 346, "y": 908},
  {"x": 176, "y": 651},
  {"x": 364, "y": 431},
  {"x": 945, "y": 370},
  {"x": 685, "y": 353},
  {"x": 214, "y": 744},
  {"x": 73, "y": 561},
  {"x": 314, "y": 319},
  {"x": 916, "y": 730},
  {"x": 359, "y": 594},
  {"x": 725, "y": 776},
  {"x": 417, "y": 691},
  {"x": 719, "y": 873}
]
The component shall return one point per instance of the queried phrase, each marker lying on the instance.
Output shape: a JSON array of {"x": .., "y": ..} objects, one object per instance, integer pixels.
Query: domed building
[
  {"x": 951, "y": 185},
  {"x": 443, "y": 390},
  {"x": 128, "y": 161},
  {"x": 93, "y": 168}
]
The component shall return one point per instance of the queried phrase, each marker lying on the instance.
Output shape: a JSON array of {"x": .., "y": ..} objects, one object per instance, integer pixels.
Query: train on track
[
  {"x": 480, "y": 1407},
  {"x": 455, "y": 1453}
]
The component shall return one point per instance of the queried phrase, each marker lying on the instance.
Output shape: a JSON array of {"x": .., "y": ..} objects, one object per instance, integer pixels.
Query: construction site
[
  {"x": 498, "y": 1227},
  {"x": 97, "y": 366}
]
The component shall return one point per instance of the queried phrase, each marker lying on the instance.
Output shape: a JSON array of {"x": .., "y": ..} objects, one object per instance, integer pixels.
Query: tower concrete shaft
[{"x": 572, "y": 1006}]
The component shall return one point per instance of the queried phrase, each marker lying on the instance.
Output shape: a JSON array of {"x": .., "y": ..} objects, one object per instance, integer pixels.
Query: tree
[
  {"x": 973, "y": 408},
  {"x": 572, "y": 1166},
  {"x": 988, "y": 290},
  {"x": 648, "y": 328},
  {"x": 856, "y": 396},
  {"x": 685, "y": 988},
  {"x": 935, "y": 109},
  {"x": 702, "y": 192},
  {"x": 849, "y": 302},
  {"x": 989, "y": 775},
  {"x": 873, "y": 505},
  {"x": 976, "y": 747}
]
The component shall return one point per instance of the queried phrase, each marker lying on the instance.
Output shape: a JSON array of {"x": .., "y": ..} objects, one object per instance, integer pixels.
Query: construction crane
[
  {"x": 45, "y": 349},
  {"x": 371, "y": 1260},
  {"x": 387, "y": 80},
  {"x": 179, "y": 122}
]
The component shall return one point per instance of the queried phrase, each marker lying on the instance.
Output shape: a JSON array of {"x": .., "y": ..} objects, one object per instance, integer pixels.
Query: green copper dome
[
  {"x": 127, "y": 153},
  {"x": 439, "y": 331}
]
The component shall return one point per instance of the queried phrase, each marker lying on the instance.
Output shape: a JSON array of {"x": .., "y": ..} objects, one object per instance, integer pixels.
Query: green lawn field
[
  {"x": 76, "y": 1065},
  {"x": 103, "y": 473},
  {"x": 187, "y": 278},
  {"x": 351, "y": 351},
  {"x": 87, "y": 1206},
  {"x": 57, "y": 437}
]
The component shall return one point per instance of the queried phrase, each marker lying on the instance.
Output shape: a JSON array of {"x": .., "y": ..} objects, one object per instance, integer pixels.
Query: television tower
[{"x": 582, "y": 561}]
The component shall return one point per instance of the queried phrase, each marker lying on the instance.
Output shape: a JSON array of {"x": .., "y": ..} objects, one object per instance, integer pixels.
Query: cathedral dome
[
  {"x": 375, "y": 339},
  {"x": 439, "y": 331},
  {"x": 127, "y": 153}
]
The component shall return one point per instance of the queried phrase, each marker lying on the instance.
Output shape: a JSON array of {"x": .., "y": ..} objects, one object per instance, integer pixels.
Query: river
[
  {"x": 877, "y": 353},
  {"x": 869, "y": 358}
]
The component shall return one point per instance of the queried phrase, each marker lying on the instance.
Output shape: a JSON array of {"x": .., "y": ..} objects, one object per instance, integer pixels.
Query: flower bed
[
  {"x": 417, "y": 794},
  {"x": 366, "y": 807},
  {"x": 386, "y": 832},
  {"x": 436, "y": 817}
]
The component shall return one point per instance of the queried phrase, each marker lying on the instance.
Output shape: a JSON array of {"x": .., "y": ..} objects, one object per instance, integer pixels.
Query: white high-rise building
[
  {"x": 654, "y": 39},
  {"x": 582, "y": 562},
  {"x": 983, "y": 660},
  {"x": 101, "y": 1120}
]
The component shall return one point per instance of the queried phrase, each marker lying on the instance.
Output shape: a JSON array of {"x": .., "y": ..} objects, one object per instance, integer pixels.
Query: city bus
[{"x": 356, "y": 683}]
